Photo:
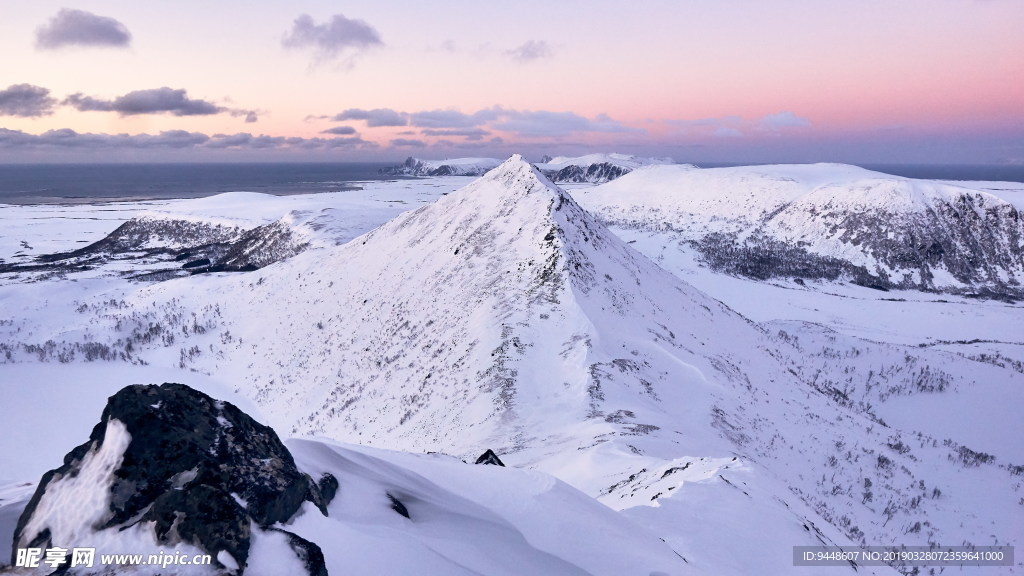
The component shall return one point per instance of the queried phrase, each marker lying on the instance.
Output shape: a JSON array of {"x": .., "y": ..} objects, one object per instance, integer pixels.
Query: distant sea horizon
[
  {"x": 82, "y": 183},
  {"x": 61, "y": 183},
  {"x": 962, "y": 172}
]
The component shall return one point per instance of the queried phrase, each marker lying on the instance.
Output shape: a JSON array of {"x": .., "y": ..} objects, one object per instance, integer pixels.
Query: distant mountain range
[
  {"x": 452, "y": 167},
  {"x": 594, "y": 168}
]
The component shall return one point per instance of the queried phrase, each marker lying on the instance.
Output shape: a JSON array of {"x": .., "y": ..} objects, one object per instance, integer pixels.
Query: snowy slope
[
  {"x": 395, "y": 513},
  {"x": 504, "y": 316},
  {"x": 466, "y": 519},
  {"x": 826, "y": 221}
]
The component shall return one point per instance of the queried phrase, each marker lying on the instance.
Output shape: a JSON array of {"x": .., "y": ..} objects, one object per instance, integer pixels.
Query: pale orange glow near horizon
[{"x": 649, "y": 78}]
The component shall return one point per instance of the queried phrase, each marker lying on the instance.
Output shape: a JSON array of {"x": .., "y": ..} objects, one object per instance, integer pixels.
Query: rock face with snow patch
[
  {"x": 489, "y": 458},
  {"x": 602, "y": 172},
  {"x": 191, "y": 246},
  {"x": 168, "y": 466},
  {"x": 527, "y": 315},
  {"x": 149, "y": 232},
  {"x": 454, "y": 167},
  {"x": 594, "y": 168}
]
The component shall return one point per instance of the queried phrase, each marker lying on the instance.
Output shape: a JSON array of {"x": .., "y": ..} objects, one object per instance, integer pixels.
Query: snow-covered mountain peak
[
  {"x": 517, "y": 176},
  {"x": 502, "y": 315}
]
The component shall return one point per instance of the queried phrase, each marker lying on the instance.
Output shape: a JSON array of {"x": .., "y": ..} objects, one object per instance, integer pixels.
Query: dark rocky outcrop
[
  {"x": 416, "y": 167},
  {"x": 201, "y": 470},
  {"x": 964, "y": 242},
  {"x": 144, "y": 234},
  {"x": 596, "y": 173},
  {"x": 191, "y": 247},
  {"x": 489, "y": 457},
  {"x": 397, "y": 505}
]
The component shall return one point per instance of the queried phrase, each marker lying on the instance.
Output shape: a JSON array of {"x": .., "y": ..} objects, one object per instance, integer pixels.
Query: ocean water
[
  {"x": 973, "y": 172},
  {"x": 59, "y": 183},
  {"x": 50, "y": 183},
  {"x": 996, "y": 173}
]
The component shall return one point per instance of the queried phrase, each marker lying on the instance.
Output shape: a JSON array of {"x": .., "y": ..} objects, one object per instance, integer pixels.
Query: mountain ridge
[{"x": 827, "y": 222}]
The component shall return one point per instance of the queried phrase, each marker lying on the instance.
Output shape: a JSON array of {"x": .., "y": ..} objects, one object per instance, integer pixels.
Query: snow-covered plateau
[{"x": 684, "y": 371}]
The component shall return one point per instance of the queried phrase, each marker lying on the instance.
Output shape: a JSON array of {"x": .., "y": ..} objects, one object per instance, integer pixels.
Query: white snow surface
[
  {"x": 466, "y": 519},
  {"x": 505, "y": 316}
]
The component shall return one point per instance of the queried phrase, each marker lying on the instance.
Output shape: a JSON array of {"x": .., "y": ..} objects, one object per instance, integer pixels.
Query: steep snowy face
[
  {"x": 502, "y": 315},
  {"x": 829, "y": 222}
]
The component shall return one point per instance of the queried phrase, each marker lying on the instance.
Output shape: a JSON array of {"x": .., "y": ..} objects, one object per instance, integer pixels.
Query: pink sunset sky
[{"x": 864, "y": 81}]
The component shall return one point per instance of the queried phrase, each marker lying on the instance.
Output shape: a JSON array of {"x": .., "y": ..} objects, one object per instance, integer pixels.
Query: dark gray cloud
[
  {"x": 476, "y": 126},
  {"x": 374, "y": 118},
  {"x": 80, "y": 28},
  {"x": 84, "y": 103},
  {"x": 781, "y": 121},
  {"x": 727, "y": 132},
  {"x": 467, "y": 133},
  {"x": 453, "y": 118},
  {"x": 229, "y": 140},
  {"x": 15, "y": 139},
  {"x": 737, "y": 126},
  {"x": 542, "y": 123},
  {"x": 530, "y": 51},
  {"x": 163, "y": 99},
  {"x": 340, "y": 130},
  {"x": 353, "y": 142},
  {"x": 246, "y": 140},
  {"x": 154, "y": 101},
  {"x": 26, "y": 100},
  {"x": 249, "y": 115},
  {"x": 332, "y": 38},
  {"x": 67, "y": 139},
  {"x": 167, "y": 139},
  {"x": 408, "y": 143}
]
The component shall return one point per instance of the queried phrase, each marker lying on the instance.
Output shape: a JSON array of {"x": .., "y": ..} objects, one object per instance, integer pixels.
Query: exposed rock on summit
[
  {"x": 168, "y": 466},
  {"x": 491, "y": 458}
]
